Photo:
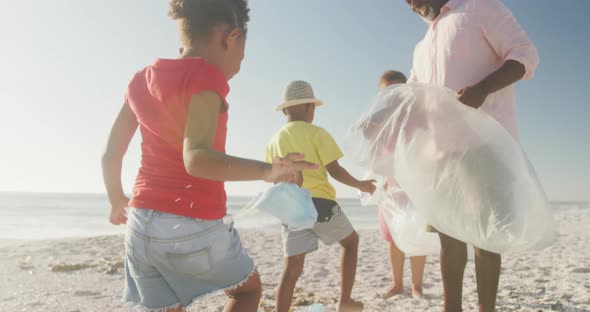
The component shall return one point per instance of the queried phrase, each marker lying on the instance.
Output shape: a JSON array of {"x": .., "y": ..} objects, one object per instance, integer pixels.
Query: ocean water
[{"x": 36, "y": 216}]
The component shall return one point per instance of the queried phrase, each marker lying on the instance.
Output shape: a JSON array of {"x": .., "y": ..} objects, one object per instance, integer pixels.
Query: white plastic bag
[
  {"x": 461, "y": 169},
  {"x": 288, "y": 202},
  {"x": 406, "y": 226},
  {"x": 316, "y": 307}
]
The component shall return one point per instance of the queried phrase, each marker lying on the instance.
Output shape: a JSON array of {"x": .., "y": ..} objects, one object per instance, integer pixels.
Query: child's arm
[
  {"x": 121, "y": 134},
  {"x": 201, "y": 160},
  {"x": 341, "y": 175}
]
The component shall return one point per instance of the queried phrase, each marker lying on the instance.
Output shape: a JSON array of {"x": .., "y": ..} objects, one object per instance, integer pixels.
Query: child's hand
[
  {"x": 288, "y": 169},
  {"x": 367, "y": 186},
  {"x": 118, "y": 213}
]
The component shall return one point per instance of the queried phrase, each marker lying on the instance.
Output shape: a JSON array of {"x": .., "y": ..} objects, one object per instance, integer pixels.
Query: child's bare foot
[
  {"x": 417, "y": 293},
  {"x": 350, "y": 306},
  {"x": 393, "y": 291}
]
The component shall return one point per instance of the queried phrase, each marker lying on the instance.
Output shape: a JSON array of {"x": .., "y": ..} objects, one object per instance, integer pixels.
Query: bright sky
[{"x": 65, "y": 67}]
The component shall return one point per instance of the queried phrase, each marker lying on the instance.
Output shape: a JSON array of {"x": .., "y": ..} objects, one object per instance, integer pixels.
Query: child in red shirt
[{"x": 177, "y": 245}]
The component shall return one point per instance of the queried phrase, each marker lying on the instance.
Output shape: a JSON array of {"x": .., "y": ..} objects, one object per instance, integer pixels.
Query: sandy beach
[{"x": 86, "y": 274}]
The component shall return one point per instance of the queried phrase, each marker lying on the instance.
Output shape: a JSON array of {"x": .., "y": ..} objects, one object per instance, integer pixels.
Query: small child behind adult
[{"x": 396, "y": 256}]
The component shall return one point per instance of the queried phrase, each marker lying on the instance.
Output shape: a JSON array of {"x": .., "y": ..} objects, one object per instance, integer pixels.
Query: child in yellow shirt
[{"x": 300, "y": 135}]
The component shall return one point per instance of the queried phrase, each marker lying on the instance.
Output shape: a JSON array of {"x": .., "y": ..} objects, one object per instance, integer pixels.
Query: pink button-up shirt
[{"x": 468, "y": 41}]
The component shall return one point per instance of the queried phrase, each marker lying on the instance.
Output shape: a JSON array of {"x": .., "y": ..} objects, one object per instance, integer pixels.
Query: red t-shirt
[{"x": 159, "y": 95}]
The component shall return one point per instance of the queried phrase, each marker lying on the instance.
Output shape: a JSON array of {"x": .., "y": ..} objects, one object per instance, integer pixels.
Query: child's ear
[{"x": 233, "y": 36}]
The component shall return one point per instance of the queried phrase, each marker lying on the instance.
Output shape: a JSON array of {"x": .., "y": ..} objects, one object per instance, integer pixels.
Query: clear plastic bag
[
  {"x": 465, "y": 174},
  {"x": 316, "y": 307},
  {"x": 287, "y": 202},
  {"x": 407, "y": 227}
]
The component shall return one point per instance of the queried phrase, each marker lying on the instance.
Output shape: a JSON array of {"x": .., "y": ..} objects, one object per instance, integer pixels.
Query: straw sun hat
[{"x": 296, "y": 93}]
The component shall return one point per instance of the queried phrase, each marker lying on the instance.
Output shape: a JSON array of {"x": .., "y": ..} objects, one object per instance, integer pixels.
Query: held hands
[
  {"x": 118, "y": 213},
  {"x": 288, "y": 169},
  {"x": 367, "y": 186},
  {"x": 473, "y": 96}
]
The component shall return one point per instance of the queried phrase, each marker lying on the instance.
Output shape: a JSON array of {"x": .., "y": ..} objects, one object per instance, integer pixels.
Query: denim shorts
[{"x": 172, "y": 260}]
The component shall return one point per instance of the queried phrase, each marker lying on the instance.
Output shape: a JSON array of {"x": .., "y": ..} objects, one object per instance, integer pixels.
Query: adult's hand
[{"x": 473, "y": 96}]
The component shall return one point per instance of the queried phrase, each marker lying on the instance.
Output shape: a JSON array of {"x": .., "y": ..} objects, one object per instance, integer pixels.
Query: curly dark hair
[{"x": 197, "y": 18}]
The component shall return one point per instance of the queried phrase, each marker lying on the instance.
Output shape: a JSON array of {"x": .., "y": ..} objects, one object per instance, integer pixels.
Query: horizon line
[{"x": 560, "y": 201}]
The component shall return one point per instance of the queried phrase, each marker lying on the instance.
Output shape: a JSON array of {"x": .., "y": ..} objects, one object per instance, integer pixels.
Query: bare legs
[
  {"x": 246, "y": 297},
  {"x": 487, "y": 272},
  {"x": 453, "y": 259},
  {"x": 348, "y": 263},
  {"x": 294, "y": 268},
  {"x": 291, "y": 273},
  {"x": 418, "y": 264},
  {"x": 397, "y": 257}
]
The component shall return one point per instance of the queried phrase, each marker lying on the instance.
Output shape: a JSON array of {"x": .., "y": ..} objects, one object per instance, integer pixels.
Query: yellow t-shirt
[{"x": 319, "y": 148}]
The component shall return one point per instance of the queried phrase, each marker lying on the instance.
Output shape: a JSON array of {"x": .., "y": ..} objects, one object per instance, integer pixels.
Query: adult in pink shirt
[{"x": 477, "y": 48}]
